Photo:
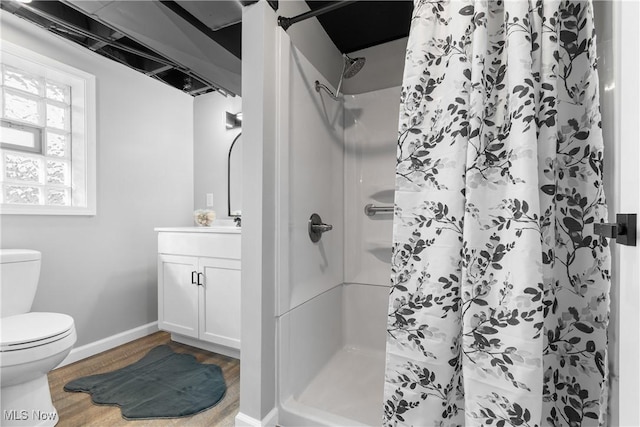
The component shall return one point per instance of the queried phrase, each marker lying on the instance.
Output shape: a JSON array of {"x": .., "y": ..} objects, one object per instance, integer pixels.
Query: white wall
[
  {"x": 311, "y": 39},
  {"x": 370, "y": 135},
  {"x": 102, "y": 269},
  {"x": 258, "y": 379},
  {"x": 383, "y": 69},
  {"x": 211, "y": 148},
  {"x": 627, "y": 174},
  {"x": 309, "y": 335},
  {"x": 312, "y": 153}
]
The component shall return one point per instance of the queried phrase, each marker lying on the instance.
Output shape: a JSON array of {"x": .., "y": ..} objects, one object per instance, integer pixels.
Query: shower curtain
[{"x": 499, "y": 302}]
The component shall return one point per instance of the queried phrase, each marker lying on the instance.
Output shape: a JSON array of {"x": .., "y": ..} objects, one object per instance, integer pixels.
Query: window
[{"x": 47, "y": 136}]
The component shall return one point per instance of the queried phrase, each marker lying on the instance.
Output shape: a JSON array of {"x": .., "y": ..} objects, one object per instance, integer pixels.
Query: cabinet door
[
  {"x": 220, "y": 302},
  {"x": 177, "y": 295}
]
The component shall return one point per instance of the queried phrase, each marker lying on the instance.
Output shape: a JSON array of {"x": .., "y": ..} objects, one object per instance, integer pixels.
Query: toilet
[{"x": 32, "y": 343}]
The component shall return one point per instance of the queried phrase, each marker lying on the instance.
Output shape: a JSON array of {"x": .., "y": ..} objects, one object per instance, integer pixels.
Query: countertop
[{"x": 212, "y": 229}]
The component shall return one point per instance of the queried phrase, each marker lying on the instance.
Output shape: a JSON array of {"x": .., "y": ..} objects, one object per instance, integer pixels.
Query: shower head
[{"x": 352, "y": 66}]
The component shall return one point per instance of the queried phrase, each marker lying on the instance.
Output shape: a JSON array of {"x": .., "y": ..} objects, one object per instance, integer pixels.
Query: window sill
[{"x": 46, "y": 210}]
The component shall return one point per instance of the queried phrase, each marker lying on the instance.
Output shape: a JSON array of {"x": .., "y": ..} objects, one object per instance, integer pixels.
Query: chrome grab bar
[{"x": 371, "y": 209}]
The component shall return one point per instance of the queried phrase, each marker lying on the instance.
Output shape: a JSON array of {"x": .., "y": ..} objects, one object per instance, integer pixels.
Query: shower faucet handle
[
  {"x": 322, "y": 227},
  {"x": 317, "y": 227}
]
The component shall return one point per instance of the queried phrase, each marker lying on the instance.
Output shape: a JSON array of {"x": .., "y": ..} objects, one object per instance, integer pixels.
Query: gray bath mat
[{"x": 162, "y": 384}]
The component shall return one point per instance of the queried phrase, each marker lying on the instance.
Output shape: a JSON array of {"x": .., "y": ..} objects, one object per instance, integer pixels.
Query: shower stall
[
  {"x": 337, "y": 153},
  {"x": 334, "y": 155}
]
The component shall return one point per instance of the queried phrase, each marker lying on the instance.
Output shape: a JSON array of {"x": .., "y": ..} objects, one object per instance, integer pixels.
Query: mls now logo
[{"x": 17, "y": 415}]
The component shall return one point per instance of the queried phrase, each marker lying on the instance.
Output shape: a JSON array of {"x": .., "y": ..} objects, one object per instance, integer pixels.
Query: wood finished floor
[{"x": 76, "y": 409}]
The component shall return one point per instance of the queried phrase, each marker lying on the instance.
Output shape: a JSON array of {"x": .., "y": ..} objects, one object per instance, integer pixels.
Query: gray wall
[
  {"x": 102, "y": 269},
  {"x": 211, "y": 149}
]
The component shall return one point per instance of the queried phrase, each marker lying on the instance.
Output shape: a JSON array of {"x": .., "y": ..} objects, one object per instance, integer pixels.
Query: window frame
[{"x": 82, "y": 130}]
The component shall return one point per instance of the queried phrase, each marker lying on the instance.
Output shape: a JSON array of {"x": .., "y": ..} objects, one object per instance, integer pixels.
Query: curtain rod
[{"x": 285, "y": 22}]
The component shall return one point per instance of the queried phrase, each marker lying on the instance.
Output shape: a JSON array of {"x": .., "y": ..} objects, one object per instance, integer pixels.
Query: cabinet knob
[
  {"x": 201, "y": 279},
  {"x": 193, "y": 278}
]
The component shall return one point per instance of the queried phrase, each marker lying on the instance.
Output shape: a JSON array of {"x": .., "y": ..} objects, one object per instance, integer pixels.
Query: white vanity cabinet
[{"x": 199, "y": 287}]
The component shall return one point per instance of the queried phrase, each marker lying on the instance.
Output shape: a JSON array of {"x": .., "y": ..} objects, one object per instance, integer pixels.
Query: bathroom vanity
[{"x": 199, "y": 286}]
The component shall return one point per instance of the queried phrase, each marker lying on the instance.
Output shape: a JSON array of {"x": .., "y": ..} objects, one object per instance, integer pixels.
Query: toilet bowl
[{"x": 31, "y": 343}]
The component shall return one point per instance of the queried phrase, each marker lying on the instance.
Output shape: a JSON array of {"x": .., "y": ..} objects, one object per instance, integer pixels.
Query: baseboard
[
  {"x": 91, "y": 349},
  {"x": 205, "y": 345},
  {"x": 270, "y": 420}
]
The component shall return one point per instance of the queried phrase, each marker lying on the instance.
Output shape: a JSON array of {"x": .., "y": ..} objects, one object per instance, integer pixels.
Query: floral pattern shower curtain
[{"x": 499, "y": 302}]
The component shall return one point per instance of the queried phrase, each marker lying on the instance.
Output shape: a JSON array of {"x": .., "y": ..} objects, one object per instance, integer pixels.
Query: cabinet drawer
[{"x": 215, "y": 245}]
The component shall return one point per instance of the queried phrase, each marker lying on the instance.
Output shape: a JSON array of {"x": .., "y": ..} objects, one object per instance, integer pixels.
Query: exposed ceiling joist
[
  {"x": 155, "y": 26},
  {"x": 195, "y": 45}
]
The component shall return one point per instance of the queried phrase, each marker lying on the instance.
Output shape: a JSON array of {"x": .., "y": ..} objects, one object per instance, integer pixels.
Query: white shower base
[
  {"x": 350, "y": 386},
  {"x": 332, "y": 359}
]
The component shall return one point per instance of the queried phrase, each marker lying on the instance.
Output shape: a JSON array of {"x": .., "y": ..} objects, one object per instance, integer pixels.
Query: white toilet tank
[{"x": 19, "y": 274}]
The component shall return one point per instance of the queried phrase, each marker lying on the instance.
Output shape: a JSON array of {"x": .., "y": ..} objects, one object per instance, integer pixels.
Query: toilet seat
[{"x": 29, "y": 330}]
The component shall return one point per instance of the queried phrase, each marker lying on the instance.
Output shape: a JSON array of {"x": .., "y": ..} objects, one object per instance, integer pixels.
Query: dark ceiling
[
  {"x": 363, "y": 24},
  {"x": 354, "y": 26},
  {"x": 229, "y": 37}
]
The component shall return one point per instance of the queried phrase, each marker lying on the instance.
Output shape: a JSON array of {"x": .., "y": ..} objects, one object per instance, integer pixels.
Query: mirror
[{"x": 234, "y": 178}]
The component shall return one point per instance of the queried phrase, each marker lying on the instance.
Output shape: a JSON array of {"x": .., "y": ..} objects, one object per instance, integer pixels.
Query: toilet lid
[
  {"x": 33, "y": 329},
  {"x": 18, "y": 255}
]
